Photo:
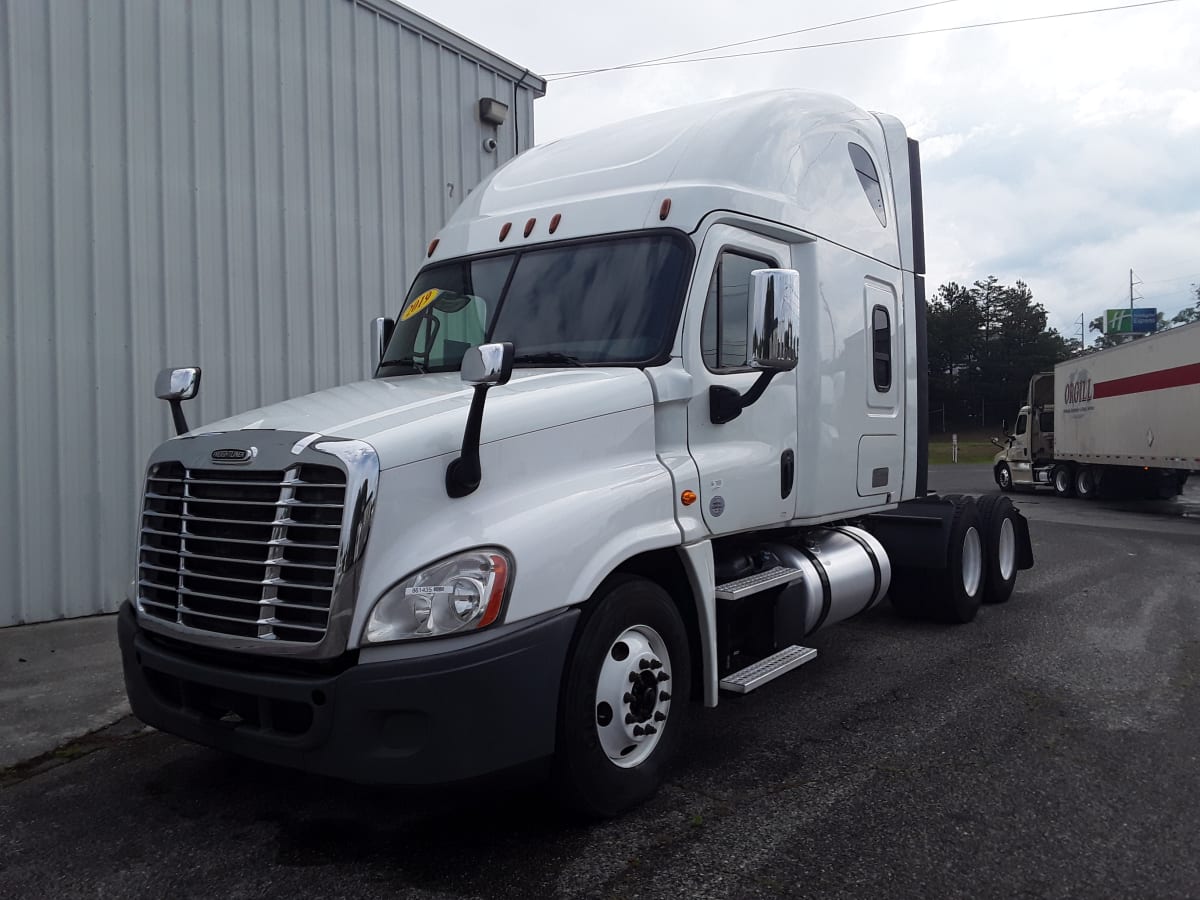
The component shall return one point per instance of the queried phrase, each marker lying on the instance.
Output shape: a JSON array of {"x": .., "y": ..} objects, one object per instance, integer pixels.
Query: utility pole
[
  {"x": 1131, "y": 290},
  {"x": 1081, "y": 343}
]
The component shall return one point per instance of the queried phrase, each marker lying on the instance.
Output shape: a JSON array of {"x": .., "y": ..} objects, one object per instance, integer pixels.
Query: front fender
[{"x": 570, "y": 503}]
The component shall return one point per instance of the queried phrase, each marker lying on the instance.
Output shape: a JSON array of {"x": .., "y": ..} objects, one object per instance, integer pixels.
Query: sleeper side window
[
  {"x": 868, "y": 177},
  {"x": 726, "y": 310},
  {"x": 881, "y": 349}
]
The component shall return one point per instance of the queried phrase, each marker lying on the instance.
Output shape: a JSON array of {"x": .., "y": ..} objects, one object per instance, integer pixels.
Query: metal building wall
[{"x": 239, "y": 184}]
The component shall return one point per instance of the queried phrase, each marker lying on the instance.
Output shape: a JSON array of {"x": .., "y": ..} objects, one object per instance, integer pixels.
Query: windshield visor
[{"x": 603, "y": 302}]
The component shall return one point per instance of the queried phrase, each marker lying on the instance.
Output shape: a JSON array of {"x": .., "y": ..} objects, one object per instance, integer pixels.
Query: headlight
[{"x": 460, "y": 593}]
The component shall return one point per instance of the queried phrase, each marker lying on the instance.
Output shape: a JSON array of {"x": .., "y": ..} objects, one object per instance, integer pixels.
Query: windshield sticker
[{"x": 419, "y": 304}]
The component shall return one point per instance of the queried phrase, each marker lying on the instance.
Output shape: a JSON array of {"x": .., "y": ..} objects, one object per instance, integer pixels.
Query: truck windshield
[{"x": 604, "y": 302}]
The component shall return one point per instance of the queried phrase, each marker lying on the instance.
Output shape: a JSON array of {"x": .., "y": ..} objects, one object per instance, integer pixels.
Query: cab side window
[
  {"x": 1022, "y": 424},
  {"x": 723, "y": 327}
]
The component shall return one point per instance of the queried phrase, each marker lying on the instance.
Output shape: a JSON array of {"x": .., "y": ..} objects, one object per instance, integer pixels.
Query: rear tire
[
  {"x": 624, "y": 698},
  {"x": 1085, "y": 483},
  {"x": 1062, "y": 480},
  {"x": 998, "y": 517},
  {"x": 961, "y": 590}
]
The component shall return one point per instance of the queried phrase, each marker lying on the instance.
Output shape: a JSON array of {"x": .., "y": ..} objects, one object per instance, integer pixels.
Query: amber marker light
[
  {"x": 504, "y": 230},
  {"x": 664, "y": 210},
  {"x": 688, "y": 498},
  {"x": 554, "y": 222},
  {"x": 432, "y": 246}
]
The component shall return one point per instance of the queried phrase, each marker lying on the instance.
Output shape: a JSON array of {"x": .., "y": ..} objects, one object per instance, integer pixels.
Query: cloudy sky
[{"x": 1060, "y": 152}]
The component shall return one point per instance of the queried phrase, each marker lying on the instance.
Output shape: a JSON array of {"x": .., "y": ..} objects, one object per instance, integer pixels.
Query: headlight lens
[{"x": 460, "y": 593}]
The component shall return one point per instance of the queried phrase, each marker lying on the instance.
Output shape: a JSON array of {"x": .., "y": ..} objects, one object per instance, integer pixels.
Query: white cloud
[{"x": 1060, "y": 152}]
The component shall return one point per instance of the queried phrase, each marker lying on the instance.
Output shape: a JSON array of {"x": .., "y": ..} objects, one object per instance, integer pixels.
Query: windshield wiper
[
  {"x": 550, "y": 357},
  {"x": 409, "y": 361}
]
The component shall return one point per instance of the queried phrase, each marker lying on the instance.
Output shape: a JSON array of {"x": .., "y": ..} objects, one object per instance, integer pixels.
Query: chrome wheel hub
[
  {"x": 633, "y": 696},
  {"x": 972, "y": 561}
]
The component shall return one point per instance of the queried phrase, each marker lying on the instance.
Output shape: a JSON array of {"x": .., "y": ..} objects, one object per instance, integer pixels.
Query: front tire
[
  {"x": 624, "y": 698},
  {"x": 1004, "y": 478}
]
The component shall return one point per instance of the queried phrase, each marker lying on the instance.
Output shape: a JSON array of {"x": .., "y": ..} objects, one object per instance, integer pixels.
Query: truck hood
[{"x": 416, "y": 417}]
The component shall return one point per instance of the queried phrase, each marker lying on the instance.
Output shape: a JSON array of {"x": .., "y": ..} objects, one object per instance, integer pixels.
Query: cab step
[
  {"x": 756, "y": 584},
  {"x": 757, "y": 674}
]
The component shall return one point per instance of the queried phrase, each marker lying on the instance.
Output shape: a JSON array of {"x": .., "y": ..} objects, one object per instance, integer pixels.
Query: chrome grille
[{"x": 252, "y": 554}]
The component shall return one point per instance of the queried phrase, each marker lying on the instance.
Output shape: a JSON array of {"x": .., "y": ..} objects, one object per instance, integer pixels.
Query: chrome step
[
  {"x": 756, "y": 584},
  {"x": 757, "y": 674}
]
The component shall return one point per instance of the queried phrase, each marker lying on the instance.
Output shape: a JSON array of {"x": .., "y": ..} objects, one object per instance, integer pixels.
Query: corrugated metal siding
[{"x": 239, "y": 184}]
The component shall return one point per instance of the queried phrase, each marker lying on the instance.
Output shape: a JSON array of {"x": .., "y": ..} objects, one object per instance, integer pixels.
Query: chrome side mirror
[
  {"x": 175, "y": 386},
  {"x": 381, "y": 333},
  {"x": 774, "y": 324},
  {"x": 488, "y": 364},
  {"x": 482, "y": 366}
]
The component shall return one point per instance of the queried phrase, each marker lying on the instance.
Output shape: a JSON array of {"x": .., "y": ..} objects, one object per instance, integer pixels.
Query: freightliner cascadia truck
[
  {"x": 1122, "y": 421},
  {"x": 652, "y": 412}
]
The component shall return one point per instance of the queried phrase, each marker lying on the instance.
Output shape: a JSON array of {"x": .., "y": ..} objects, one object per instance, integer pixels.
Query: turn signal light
[{"x": 687, "y": 498}]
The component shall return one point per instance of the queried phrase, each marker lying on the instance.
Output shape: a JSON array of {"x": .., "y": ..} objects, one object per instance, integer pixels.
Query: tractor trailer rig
[
  {"x": 1125, "y": 420},
  {"x": 652, "y": 412}
]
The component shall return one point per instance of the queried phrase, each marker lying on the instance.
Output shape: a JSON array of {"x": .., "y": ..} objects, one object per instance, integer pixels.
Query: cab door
[{"x": 747, "y": 466}]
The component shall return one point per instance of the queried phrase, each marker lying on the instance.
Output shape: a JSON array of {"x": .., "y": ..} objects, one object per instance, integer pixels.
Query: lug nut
[
  {"x": 630, "y": 718},
  {"x": 638, "y": 731},
  {"x": 655, "y": 664},
  {"x": 663, "y": 695},
  {"x": 633, "y": 677},
  {"x": 628, "y": 698},
  {"x": 663, "y": 676},
  {"x": 643, "y": 663},
  {"x": 659, "y": 717},
  {"x": 650, "y": 729}
]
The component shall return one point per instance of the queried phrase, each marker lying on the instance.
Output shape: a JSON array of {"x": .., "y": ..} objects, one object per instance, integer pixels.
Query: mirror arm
[
  {"x": 725, "y": 404},
  {"x": 464, "y": 474},
  {"x": 181, "y": 425}
]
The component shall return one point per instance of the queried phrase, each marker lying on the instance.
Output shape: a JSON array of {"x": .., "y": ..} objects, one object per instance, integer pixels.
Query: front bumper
[{"x": 441, "y": 717}]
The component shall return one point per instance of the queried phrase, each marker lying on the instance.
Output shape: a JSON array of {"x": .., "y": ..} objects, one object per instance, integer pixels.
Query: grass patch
[{"x": 974, "y": 447}]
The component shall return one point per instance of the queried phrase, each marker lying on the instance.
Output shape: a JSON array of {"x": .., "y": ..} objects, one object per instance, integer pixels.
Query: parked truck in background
[
  {"x": 1125, "y": 420},
  {"x": 653, "y": 412}
]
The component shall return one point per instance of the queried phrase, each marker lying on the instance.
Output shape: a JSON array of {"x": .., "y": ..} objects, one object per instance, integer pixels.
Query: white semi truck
[
  {"x": 1123, "y": 421},
  {"x": 653, "y": 412}
]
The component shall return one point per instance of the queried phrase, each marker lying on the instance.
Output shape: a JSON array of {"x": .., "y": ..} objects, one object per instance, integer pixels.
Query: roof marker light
[
  {"x": 504, "y": 229},
  {"x": 664, "y": 210},
  {"x": 432, "y": 246},
  {"x": 554, "y": 222},
  {"x": 529, "y": 227}
]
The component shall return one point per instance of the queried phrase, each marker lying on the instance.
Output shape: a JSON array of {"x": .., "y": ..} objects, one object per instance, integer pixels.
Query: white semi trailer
[
  {"x": 1122, "y": 420},
  {"x": 653, "y": 412}
]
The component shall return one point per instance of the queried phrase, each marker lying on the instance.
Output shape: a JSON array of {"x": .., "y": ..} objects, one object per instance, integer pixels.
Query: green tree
[
  {"x": 1189, "y": 313},
  {"x": 985, "y": 342}
]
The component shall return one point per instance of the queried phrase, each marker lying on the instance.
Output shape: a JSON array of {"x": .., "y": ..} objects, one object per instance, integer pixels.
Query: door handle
[{"x": 787, "y": 473}]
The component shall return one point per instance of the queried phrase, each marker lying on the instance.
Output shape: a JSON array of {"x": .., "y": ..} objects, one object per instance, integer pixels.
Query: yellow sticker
[{"x": 419, "y": 304}]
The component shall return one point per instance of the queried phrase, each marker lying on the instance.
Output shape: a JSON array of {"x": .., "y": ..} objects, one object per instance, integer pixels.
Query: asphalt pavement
[{"x": 1050, "y": 748}]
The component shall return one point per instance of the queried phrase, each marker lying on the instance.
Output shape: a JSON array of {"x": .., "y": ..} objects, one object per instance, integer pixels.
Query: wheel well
[{"x": 665, "y": 568}]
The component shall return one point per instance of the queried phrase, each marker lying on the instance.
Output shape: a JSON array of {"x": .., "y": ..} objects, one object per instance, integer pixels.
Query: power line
[
  {"x": 865, "y": 40},
  {"x": 575, "y": 73}
]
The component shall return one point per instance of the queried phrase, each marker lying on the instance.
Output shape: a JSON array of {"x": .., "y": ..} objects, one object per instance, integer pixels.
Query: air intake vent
[{"x": 252, "y": 554}]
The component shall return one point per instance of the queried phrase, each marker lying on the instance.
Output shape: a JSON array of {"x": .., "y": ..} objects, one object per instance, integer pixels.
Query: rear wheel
[
  {"x": 1062, "y": 481},
  {"x": 998, "y": 518},
  {"x": 624, "y": 698},
  {"x": 961, "y": 590},
  {"x": 1085, "y": 483},
  {"x": 1004, "y": 477}
]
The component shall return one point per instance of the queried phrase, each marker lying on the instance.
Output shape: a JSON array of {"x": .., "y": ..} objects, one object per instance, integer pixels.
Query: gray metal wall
[{"x": 239, "y": 184}]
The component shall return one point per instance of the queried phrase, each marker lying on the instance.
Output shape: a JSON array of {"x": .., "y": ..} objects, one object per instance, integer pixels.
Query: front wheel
[
  {"x": 1004, "y": 478},
  {"x": 624, "y": 698}
]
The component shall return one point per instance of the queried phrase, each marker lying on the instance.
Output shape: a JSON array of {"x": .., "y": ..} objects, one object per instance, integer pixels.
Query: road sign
[{"x": 1141, "y": 320}]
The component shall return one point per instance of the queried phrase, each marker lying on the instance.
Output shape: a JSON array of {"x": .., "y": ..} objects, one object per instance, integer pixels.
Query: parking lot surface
[{"x": 1050, "y": 748}]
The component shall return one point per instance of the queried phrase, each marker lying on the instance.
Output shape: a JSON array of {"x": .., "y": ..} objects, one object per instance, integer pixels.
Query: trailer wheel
[
  {"x": 1085, "y": 483},
  {"x": 624, "y": 698},
  {"x": 1004, "y": 477},
  {"x": 1000, "y": 547},
  {"x": 1062, "y": 481},
  {"x": 961, "y": 591}
]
